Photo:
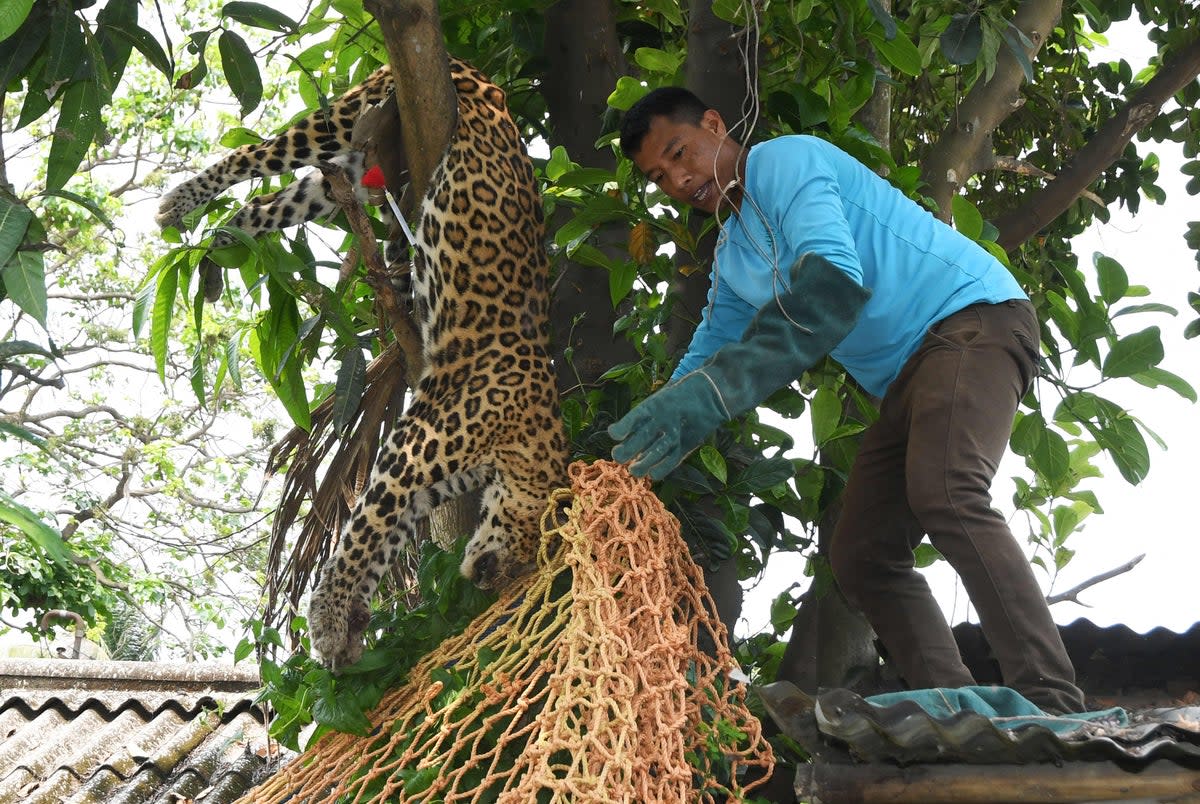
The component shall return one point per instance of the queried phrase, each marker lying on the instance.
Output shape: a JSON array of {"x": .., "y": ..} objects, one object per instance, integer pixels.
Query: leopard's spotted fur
[{"x": 485, "y": 413}]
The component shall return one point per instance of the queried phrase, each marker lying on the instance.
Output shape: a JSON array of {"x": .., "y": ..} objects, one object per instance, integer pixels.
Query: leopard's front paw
[
  {"x": 177, "y": 203},
  {"x": 337, "y": 621}
]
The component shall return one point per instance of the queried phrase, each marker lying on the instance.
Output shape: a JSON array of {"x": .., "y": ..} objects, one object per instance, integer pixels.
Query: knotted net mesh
[{"x": 601, "y": 677}]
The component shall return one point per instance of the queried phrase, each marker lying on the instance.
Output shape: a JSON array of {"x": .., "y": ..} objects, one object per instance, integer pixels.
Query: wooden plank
[{"x": 1161, "y": 780}]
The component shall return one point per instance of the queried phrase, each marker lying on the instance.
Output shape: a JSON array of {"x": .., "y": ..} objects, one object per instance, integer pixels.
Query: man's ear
[{"x": 712, "y": 121}]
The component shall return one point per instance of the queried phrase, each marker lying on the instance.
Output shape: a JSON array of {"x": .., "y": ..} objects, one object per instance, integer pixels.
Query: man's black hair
[{"x": 677, "y": 104}]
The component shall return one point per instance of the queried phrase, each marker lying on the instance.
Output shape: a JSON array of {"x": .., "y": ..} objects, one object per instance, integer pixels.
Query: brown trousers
[{"x": 926, "y": 467}]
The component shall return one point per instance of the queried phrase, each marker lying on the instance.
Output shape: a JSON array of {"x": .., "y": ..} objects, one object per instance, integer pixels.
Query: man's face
[{"x": 693, "y": 164}]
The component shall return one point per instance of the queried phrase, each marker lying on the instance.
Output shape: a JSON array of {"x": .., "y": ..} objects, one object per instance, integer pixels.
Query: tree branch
[
  {"x": 92, "y": 511},
  {"x": 82, "y": 413},
  {"x": 32, "y": 376},
  {"x": 405, "y": 331},
  {"x": 1043, "y": 206},
  {"x": 1022, "y": 168},
  {"x": 964, "y": 148},
  {"x": 1073, "y": 593}
]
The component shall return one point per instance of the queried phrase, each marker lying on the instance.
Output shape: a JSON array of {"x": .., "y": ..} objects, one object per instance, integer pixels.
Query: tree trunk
[
  {"x": 584, "y": 60},
  {"x": 428, "y": 107},
  {"x": 717, "y": 71},
  {"x": 412, "y": 31}
]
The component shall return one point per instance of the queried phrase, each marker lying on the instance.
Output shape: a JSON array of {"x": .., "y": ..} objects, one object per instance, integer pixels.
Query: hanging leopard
[{"x": 485, "y": 413}]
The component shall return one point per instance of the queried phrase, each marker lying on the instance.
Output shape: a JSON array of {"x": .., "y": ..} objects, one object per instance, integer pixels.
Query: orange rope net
[{"x": 584, "y": 683}]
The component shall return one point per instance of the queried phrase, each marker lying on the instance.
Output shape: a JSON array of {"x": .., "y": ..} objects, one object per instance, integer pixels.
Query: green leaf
[
  {"x": 783, "y": 612},
  {"x": 12, "y": 14},
  {"x": 145, "y": 43},
  {"x": 351, "y": 378},
  {"x": 667, "y": 8},
  {"x": 628, "y": 92},
  {"x": 762, "y": 475},
  {"x": 25, "y": 282},
  {"x": 1045, "y": 450},
  {"x": 967, "y": 219},
  {"x": 1125, "y": 445},
  {"x": 233, "y": 361},
  {"x": 1066, "y": 520},
  {"x": 621, "y": 277},
  {"x": 422, "y": 780},
  {"x": 962, "y": 39},
  {"x": 141, "y": 305},
  {"x": 1151, "y": 307},
  {"x": 17, "y": 431},
  {"x": 587, "y": 254},
  {"x": 257, "y": 15},
  {"x": 1013, "y": 38},
  {"x": 16, "y": 52},
  {"x": 1113, "y": 280},
  {"x": 342, "y": 713},
  {"x": 1134, "y": 354},
  {"x": 1153, "y": 378},
  {"x": 160, "y": 318},
  {"x": 114, "y": 49},
  {"x": 729, "y": 10},
  {"x": 899, "y": 51},
  {"x": 196, "y": 373},
  {"x": 925, "y": 554},
  {"x": 78, "y": 122},
  {"x": 1051, "y": 457},
  {"x": 238, "y": 136},
  {"x": 194, "y": 76},
  {"x": 714, "y": 462},
  {"x": 87, "y": 203},
  {"x": 1026, "y": 433},
  {"x": 11, "y": 349},
  {"x": 64, "y": 47},
  {"x": 883, "y": 18},
  {"x": 241, "y": 71},
  {"x": 41, "y": 534},
  {"x": 14, "y": 221},
  {"x": 278, "y": 337},
  {"x": 826, "y": 411},
  {"x": 1097, "y": 20},
  {"x": 243, "y": 649},
  {"x": 558, "y": 163},
  {"x": 585, "y": 178},
  {"x": 658, "y": 61}
]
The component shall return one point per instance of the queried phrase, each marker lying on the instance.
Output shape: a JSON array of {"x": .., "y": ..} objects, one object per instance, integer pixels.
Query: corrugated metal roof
[
  {"x": 904, "y": 733},
  {"x": 864, "y": 752},
  {"x": 1114, "y": 663},
  {"x": 129, "y": 732}
]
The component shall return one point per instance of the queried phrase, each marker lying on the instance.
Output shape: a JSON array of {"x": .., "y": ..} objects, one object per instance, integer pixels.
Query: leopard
[{"x": 484, "y": 415}]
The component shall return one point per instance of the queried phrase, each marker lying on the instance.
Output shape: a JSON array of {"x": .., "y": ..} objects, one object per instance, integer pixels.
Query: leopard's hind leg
[{"x": 409, "y": 479}]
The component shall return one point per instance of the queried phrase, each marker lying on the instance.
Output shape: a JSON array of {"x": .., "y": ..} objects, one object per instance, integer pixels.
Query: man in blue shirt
[{"x": 818, "y": 255}]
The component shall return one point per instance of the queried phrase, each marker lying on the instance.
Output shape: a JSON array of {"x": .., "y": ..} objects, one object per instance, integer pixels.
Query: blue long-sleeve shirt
[{"x": 802, "y": 194}]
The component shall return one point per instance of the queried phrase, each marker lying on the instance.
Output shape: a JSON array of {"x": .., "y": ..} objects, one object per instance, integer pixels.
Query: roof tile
[{"x": 81, "y": 732}]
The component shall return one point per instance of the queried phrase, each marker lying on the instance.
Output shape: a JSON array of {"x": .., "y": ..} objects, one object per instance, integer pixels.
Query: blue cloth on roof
[
  {"x": 802, "y": 195},
  {"x": 1005, "y": 707}
]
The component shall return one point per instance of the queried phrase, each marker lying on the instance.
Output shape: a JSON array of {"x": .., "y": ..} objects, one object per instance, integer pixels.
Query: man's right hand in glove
[{"x": 785, "y": 339}]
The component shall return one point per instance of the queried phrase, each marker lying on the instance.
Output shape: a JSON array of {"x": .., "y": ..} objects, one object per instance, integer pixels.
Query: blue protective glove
[{"x": 785, "y": 339}]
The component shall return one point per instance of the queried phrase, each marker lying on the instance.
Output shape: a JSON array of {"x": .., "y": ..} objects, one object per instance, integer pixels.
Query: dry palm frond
[{"x": 327, "y": 469}]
